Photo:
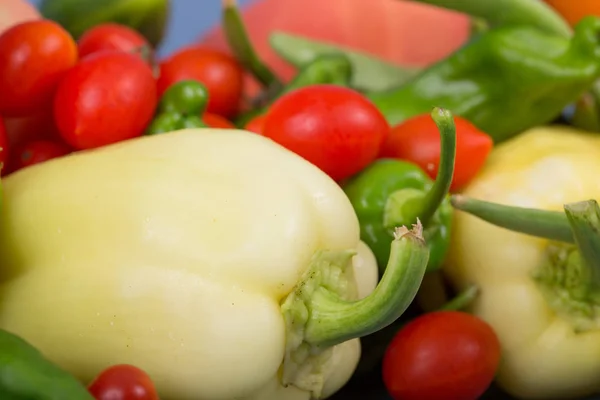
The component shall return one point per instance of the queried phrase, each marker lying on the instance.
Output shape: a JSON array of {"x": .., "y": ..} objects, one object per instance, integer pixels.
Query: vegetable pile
[{"x": 359, "y": 230}]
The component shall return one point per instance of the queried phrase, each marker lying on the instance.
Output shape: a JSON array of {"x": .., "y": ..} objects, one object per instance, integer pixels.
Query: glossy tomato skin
[
  {"x": 110, "y": 36},
  {"x": 441, "y": 355},
  {"x": 418, "y": 140},
  {"x": 216, "y": 121},
  {"x": 335, "y": 128},
  {"x": 123, "y": 382},
  {"x": 34, "y": 56},
  {"x": 220, "y": 73},
  {"x": 36, "y": 152},
  {"x": 108, "y": 97}
]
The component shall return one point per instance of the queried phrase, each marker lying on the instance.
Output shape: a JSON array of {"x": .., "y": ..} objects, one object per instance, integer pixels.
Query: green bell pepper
[
  {"x": 25, "y": 374},
  {"x": 391, "y": 193},
  {"x": 181, "y": 106},
  {"x": 505, "y": 81}
]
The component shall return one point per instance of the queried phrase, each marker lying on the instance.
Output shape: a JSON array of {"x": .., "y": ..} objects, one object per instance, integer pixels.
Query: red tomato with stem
[
  {"x": 123, "y": 382},
  {"x": 256, "y": 124},
  {"x": 441, "y": 355},
  {"x": 418, "y": 140},
  {"x": 335, "y": 128},
  {"x": 36, "y": 152},
  {"x": 220, "y": 73},
  {"x": 216, "y": 121},
  {"x": 107, "y": 97},
  {"x": 34, "y": 57},
  {"x": 111, "y": 36}
]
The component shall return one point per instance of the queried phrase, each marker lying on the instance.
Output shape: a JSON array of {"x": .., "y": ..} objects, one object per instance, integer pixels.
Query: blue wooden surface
[{"x": 188, "y": 20}]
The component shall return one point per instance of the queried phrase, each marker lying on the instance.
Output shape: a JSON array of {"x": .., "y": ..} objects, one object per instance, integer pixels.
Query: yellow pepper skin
[
  {"x": 549, "y": 352},
  {"x": 178, "y": 253}
]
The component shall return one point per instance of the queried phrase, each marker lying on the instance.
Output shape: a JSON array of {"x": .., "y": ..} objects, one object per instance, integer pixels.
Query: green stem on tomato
[
  {"x": 238, "y": 39},
  {"x": 584, "y": 219},
  {"x": 553, "y": 225},
  {"x": 509, "y": 12}
]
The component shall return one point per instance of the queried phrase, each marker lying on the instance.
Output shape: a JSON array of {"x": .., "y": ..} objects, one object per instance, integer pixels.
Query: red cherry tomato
[
  {"x": 418, "y": 140},
  {"x": 107, "y": 97},
  {"x": 256, "y": 124},
  {"x": 34, "y": 56},
  {"x": 123, "y": 382},
  {"x": 335, "y": 128},
  {"x": 36, "y": 152},
  {"x": 216, "y": 121},
  {"x": 110, "y": 36},
  {"x": 220, "y": 73},
  {"x": 441, "y": 355}
]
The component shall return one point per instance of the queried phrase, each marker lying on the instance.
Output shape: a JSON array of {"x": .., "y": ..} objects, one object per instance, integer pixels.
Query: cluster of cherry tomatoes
[{"x": 60, "y": 95}]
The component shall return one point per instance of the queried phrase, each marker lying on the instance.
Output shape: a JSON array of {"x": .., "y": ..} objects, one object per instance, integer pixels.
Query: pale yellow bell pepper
[
  {"x": 543, "y": 303},
  {"x": 222, "y": 264}
]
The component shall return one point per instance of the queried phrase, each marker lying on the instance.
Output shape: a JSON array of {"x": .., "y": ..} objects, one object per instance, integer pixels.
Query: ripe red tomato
[
  {"x": 441, "y": 355},
  {"x": 107, "y": 97},
  {"x": 335, "y": 128},
  {"x": 220, "y": 73},
  {"x": 216, "y": 121},
  {"x": 34, "y": 56},
  {"x": 123, "y": 382},
  {"x": 110, "y": 36},
  {"x": 36, "y": 152},
  {"x": 418, "y": 140},
  {"x": 256, "y": 124}
]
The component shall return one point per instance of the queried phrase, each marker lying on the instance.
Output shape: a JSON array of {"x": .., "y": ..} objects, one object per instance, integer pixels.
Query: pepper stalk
[
  {"x": 404, "y": 205},
  {"x": 318, "y": 317},
  {"x": 570, "y": 276},
  {"x": 391, "y": 193}
]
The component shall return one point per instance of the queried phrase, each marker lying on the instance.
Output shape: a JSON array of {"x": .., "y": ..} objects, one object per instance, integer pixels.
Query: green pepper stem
[
  {"x": 438, "y": 192},
  {"x": 333, "y": 320},
  {"x": 552, "y": 225},
  {"x": 584, "y": 219},
  {"x": 462, "y": 300},
  {"x": 238, "y": 39}
]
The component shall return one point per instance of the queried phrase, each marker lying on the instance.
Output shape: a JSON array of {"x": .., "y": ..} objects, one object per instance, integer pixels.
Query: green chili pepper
[
  {"x": 237, "y": 37},
  {"x": 505, "y": 81},
  {"x": 180, "y": 106},
  {"x": 369, "y": 73},
  {"x": 392, "y": 193},
  {"x": 25, "y": 374},
  {"x": 536, "y": 14}
]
